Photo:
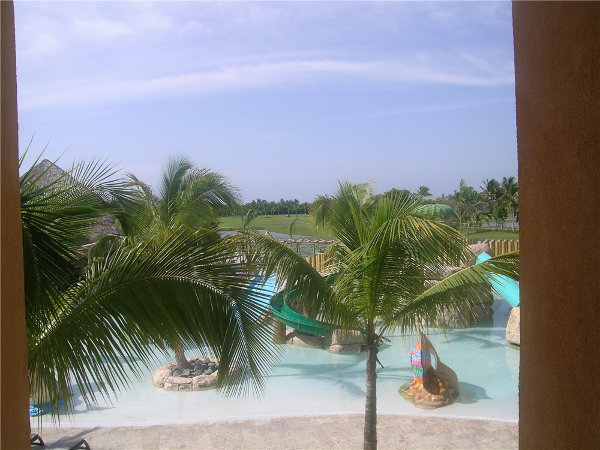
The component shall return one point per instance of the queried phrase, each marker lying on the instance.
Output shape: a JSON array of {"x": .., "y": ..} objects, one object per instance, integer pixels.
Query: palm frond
[
  {"x": 132, "y": 303},
  {"x": 463, "y": 287},
  {"x": 269, "y": 256}
]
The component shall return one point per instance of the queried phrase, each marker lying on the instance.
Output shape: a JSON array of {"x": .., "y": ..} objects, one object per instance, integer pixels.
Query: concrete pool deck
[{"x": 305, "y": 432}]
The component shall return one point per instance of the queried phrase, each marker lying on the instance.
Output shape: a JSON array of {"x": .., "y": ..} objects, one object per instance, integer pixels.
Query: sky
[{"x": 283, "y": 98}]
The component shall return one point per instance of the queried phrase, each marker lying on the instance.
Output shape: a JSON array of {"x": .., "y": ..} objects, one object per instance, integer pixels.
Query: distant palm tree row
[
  {"x": 494, "y": 202},
  {"x": 287, "y": 207}
]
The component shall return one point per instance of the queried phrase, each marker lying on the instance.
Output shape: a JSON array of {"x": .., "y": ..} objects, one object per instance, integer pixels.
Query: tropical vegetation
[
  {"x": 492, "y": 203},
  {"x": 98, "y": 322},
  {"x": 171, "y": 281},
  {"x": 387, "y": 257}
]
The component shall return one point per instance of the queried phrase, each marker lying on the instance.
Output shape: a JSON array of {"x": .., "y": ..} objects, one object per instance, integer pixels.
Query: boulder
[
  {"x": 513, "y": 329},
  {"x": 159, "y": 377},
  {"x": 202, "y": 382},
  {"x": 304, "y": 340},
  {"x": 346, "y": 337},
  {"x": 342, "y": 341},
  {"x": 344, "y": 348},
  {"x": 178, "y": 384},
  {"x": 480, "y": 248},
  {"x": 482, "y": 312},
  {"x": 457, "y": 316},
  {"x": 482, "y": 309},
  {"x": 167, "y": 377}
]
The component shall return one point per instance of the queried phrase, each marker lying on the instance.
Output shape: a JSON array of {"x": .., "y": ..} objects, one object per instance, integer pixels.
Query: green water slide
[{"x": 282, "y": 312}]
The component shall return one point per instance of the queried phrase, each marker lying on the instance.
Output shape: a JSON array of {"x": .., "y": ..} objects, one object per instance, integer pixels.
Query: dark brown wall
[
  {"x": 14, "y": 384},
  {"x": 557, "y": 60}
]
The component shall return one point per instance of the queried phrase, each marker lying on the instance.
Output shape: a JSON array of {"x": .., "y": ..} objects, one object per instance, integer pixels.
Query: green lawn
[
  {"x": 275, "y": 224},
  {"x": 493, "y": 234}
]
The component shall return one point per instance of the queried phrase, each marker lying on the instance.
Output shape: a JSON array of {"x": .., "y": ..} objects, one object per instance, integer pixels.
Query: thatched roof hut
[{"x": 107, "y": 223}]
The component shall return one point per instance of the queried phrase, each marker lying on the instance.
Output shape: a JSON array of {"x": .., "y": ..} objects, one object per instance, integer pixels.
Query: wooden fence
[
  {"x": 317, "y": 262},
  {"x": 499, "y": 247}
]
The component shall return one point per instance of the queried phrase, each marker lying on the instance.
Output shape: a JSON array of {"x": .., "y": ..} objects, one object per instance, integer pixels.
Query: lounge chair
[
  {"x": 64, "y": 443},
  {"x": 36, "y": 439}
]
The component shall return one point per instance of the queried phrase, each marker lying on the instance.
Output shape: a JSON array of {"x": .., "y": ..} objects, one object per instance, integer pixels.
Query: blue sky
[{"x": 284, "y": 98}]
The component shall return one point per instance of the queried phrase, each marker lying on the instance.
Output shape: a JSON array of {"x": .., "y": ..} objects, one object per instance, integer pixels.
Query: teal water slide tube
[
  {"x": 277, "y": 303},
  {"x": 505, "y": 287}
]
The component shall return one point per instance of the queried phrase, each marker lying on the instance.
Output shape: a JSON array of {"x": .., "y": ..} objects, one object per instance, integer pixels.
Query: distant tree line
[
  {"x": 285, "y": 207},
  {"x": 493, "y": 202}
]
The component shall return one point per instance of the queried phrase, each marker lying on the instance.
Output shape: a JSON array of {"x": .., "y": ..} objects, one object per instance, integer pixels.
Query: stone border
[{"x": 165, "y": 378}]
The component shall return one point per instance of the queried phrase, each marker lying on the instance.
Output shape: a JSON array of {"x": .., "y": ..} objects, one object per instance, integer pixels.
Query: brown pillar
[
  {"x": 14, "y": 383},
  {"x": 557, "y": 72}
]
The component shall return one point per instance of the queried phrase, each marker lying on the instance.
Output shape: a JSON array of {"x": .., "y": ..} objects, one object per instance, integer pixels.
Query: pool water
[{"x": 312, "y": 381}]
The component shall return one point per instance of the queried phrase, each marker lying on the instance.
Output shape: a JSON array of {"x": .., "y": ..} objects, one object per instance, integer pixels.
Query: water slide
[
  {"x": 505, "y": 287},
  {"x": 277, "y": 303}
]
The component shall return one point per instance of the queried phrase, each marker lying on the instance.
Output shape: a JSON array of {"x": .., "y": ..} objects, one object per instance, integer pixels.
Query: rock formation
[
  {"x": 513, "y": 329},
  {"x": 202, "y": 376}
]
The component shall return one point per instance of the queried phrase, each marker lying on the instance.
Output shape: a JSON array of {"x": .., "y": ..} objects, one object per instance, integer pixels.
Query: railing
[{"x": 306, "y": 247}]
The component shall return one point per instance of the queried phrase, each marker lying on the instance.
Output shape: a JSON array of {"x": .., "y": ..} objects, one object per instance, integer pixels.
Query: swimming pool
[{"x": 311, "y": 381}]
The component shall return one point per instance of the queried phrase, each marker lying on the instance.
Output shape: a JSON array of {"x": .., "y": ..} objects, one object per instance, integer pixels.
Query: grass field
[
  {"x": 493, "y": 234},
  {"x": 304, "y": 227},
  {"x": 275, "y": 224}
]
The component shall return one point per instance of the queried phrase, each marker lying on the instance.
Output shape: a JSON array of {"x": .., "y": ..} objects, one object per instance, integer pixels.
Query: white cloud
[
  {"x": 393, "y": 74},
  {"x": 86, "y": 53}
]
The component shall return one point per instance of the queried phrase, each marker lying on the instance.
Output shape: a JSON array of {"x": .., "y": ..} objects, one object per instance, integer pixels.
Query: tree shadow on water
[
  {"x": 77, "y": 400},
  {"x": 343, "y": 376}
]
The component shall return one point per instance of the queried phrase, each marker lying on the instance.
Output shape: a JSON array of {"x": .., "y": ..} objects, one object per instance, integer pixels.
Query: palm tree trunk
[
  {"x": 513, "y": 217},
  {"x": 180, "y": 359},
  {"x": 370, "y": 432}
]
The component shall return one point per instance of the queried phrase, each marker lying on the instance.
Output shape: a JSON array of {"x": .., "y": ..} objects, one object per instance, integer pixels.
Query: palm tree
[
  {"x": 291, "y": 227},
  {"x": 248, "y": 218},
  {"x": 489, "y": 192},
  {"x": 189, "y": 198},
  {"x": 88, "y": 323},
  {"x": 385, "y": 255},
  {"x": 424, "y": 192},
  {"x": 510, "y": 196},
  {"x": 500, "y": 213},
  {"x": 464, "y": 202}
]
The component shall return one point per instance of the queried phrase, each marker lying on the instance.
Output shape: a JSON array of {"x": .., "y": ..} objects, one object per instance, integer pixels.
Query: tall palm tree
[
  {"x": 464, "y": 202},
  {"x": 386, "y": 257},
  {"x": 87, "y": 323},
  {"x": 189, "y": 198},
  {"x": 510, "y": 196}
]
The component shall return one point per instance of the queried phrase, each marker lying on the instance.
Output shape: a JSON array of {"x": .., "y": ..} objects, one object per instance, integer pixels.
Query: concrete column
[
  {"x": 557, "y": 73},
  {"x": 14, "y": 382}
]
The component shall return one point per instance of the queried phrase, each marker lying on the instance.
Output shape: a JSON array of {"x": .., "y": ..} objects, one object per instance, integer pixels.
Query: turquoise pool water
[{"x": 311, "y": 381}]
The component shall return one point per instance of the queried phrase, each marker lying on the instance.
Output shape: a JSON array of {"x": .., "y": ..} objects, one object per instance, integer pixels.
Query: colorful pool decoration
[
  {"x": 420, "y": 360},
  {"x": 431, "y": 388}
]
